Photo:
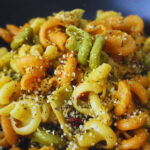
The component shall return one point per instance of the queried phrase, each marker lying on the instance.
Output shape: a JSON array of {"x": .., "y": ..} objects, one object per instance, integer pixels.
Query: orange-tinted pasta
[
  {"x": 131, "y": 107},
  {"x": 3, "y": 140},
  {"x": 59, "y": 38},
  {"x": 9, "y": 133},
  {"x": 115, "y": 23},
  {"x": 24, "y": 26},
  {"x": 134, "y": 24},
  {"x": 124, "y": 96},
  {"x": 14, "y": 30},
  {"x": 135, "y": 142},
  {"x": 146, "y": 146},
  {"x": 5, "y": 35},
  {"x": 140, "y": 91},
  {"x": 69, "y": 70},
  {"x": 32, "y": 61},
  {"x": 119, "y": 43},
  {"x": 143, "y": 80},
  {"x": 131, "y": 123},
  {"x": 47, "y": 27},
  {"x": 29, "y": 80},
  {"x": 95, "y": 27}
]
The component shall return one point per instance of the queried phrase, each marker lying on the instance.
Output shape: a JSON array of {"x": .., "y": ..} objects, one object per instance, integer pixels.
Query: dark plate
[{"x": 19, "y": 11}]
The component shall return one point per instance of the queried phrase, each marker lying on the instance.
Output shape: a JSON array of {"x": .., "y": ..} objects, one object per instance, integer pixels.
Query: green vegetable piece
[
  {"x": 75, "y": 39},
  {"x": 146, "y": 62},
  {"x": 45, "y": 138},
  {"x": 95, "y": 54},
  {"x": 22, "y": 37},
  {"x": 72, "y": 44},
  {"x": 83, "y": 43},
  {"x": 84, "y": 50}
]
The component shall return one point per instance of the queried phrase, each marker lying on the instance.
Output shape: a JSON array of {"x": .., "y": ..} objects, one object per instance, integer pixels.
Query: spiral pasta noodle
[
  {"x": 62, "y": 93},
  {"x": 5, "y": 35},
  {"x": 67, "y": 82},
  {"x": 137, "y": 141},
  {"x": 102, "y": 131},
  {"x": 31, "y": 124},
  {"x": 9, "y": 133},
  {"x": 69, "y": 70},
  {"x": 141, "y": 92},
  {"x": 8, "y": 88},
  {"x": 93, "y": 88},
  {"x": 54, "y": 37},
  {"x": 5, "y": 57},
  {"x": 131, "y": 123},
  {"x": 124, "y": 94}
]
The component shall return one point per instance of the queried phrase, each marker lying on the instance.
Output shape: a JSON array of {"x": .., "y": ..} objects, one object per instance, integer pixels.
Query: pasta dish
[{"x": 70, "y": 83}]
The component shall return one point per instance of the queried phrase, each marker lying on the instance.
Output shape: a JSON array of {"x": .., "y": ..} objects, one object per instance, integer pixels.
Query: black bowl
[{"x": 19, "y": 11}]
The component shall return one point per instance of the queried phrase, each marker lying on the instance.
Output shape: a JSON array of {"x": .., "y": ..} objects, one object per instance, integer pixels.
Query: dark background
[{"x": 19, "y": 11}]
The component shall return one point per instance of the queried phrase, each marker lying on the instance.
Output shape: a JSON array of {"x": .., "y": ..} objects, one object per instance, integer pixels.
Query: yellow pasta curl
[
  {"x": 92, "y": 86},
  {"x": 100, "y": 132},
  {"x": 8, "y": 89}
]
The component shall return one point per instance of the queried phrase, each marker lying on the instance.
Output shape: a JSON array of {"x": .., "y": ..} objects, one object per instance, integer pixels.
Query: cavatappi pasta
[{"x": 69, "y": 83}]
